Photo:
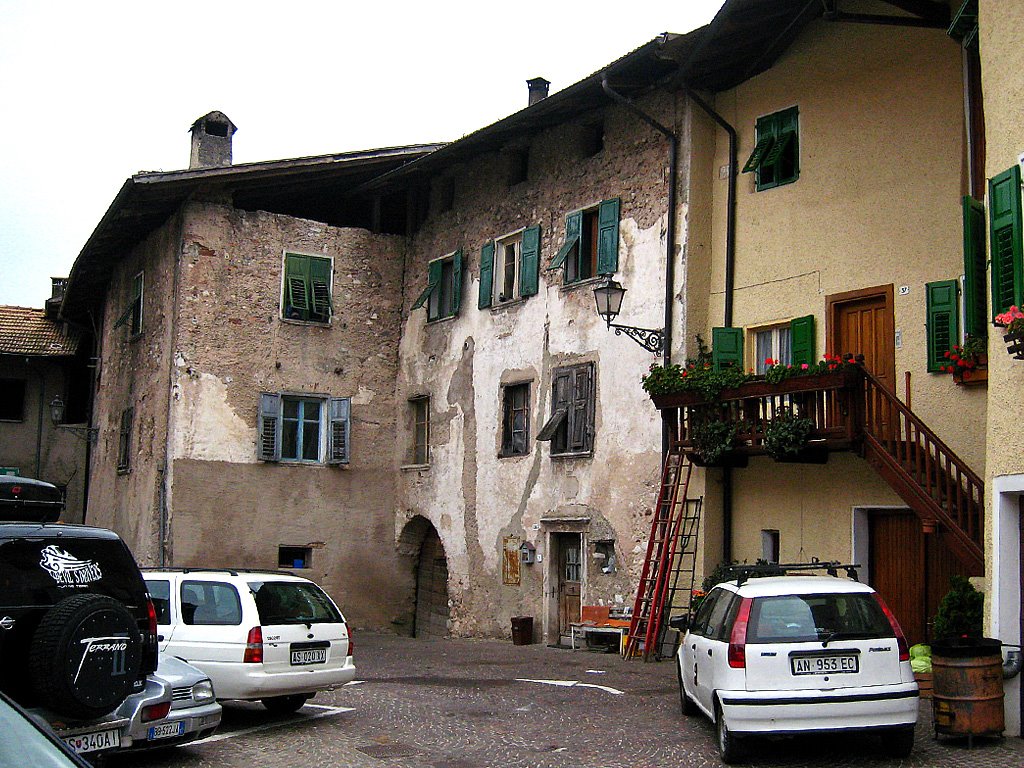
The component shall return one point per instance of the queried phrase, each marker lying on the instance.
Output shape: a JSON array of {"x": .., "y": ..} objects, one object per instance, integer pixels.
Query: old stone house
[{"x": 44, "y": 375}]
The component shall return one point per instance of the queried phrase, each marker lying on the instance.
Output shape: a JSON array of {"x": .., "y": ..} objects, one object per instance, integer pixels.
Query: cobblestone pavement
[{"x": 473, "y": 704}]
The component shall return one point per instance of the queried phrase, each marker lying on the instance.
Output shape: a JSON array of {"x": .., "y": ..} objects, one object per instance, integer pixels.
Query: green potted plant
[
  {"x": 967, "y": 675},
  {"x": 787, "y": 435},
  {"x": 712, "y": 440}
]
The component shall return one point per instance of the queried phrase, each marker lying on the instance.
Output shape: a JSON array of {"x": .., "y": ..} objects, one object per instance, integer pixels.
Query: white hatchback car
[
  {"x": 780, "y": 655},
  {"x": 259, "y": 635}
]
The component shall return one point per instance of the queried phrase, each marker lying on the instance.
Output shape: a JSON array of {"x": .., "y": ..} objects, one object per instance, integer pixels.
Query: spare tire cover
[{"x": 85, "y": 656}]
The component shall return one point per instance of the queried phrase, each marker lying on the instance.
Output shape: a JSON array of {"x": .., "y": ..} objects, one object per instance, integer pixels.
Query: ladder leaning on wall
[{"x": 670, "y": 563}]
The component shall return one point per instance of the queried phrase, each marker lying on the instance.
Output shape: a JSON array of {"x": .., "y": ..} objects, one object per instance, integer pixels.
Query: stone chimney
[
  {"x": 538, "y": 90},
  {"x": 211, "y": 141}
]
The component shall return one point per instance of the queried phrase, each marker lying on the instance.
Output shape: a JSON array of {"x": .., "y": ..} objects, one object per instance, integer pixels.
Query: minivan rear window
[
  {"x": 293, "y": 602},
  {"x": 806, "y": 618}
]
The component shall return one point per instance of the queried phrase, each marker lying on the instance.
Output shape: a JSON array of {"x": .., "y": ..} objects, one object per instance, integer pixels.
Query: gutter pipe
[{"x": 670, "y": 230}]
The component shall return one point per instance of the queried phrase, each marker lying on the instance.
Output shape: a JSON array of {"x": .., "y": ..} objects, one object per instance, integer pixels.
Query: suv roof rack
[
  {"x": 832, "y": 567},
  {"x": 229, "y": 571}
]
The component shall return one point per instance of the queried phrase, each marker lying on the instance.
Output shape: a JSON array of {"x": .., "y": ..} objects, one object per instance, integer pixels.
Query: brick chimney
[
  {"x": 538, "y": 90},
  {"x": 211, "y": 141}
]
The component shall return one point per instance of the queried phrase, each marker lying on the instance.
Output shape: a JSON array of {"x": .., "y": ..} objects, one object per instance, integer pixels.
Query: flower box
[
  {"x": 762, "y": 388},
  {"x": 1015, "y": 344}
]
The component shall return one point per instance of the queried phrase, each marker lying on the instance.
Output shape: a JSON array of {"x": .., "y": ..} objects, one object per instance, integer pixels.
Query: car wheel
[
  {"x": 687, "y": 704},
  {"x": 284, "y": 705},
  {"x": 728, "y": 744},
  {"x": 85, "y": 656},
  {"x": 899, "y": 742}
]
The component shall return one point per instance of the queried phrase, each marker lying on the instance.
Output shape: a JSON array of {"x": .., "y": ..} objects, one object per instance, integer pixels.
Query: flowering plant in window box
[
  {"x": 965, "y": 362},
  {"x": 1013, "y": 321},
  {"x": 777, "y": 371}
]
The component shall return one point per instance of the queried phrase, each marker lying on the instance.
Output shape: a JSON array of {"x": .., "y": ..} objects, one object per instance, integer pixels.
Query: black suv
[{"x": 77, "y": 627}]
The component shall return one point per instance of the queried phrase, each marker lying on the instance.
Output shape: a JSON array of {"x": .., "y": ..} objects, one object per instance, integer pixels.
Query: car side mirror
[{"x": 680, "y": 623}]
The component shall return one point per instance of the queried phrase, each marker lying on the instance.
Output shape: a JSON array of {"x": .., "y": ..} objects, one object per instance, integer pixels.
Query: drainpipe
[
  {"x": 670, "y": 230},
  {"x": 42, "y": 409},
  {"x": 730, "y": 271}
]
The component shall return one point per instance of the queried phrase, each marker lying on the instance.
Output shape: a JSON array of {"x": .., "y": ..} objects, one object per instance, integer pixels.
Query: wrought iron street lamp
[
  {"x": 608, "y": 296},
  {"x": 57, "y": 417}
]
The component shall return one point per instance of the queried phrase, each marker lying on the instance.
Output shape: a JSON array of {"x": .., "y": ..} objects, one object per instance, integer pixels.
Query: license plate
[
  {"x": 166, "y": 730},
  {"x": 834, "y": 664},
  {"x": 309, "y": 656},
  {"x": 91, "y": 742}
]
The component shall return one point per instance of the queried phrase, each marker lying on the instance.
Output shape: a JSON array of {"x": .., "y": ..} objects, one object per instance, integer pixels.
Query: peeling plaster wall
[
  {"x": 227, "y": 507},
  {"x": 473, "y": 497},
  {"x": 134, "y": 374}
]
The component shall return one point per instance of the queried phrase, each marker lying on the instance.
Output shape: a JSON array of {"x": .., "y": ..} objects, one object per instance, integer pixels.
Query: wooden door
[
  {"x": 861, "y": 323},
  {"x": 909, "y": 569},
  {"x": 431, "y": 588},
  {"x": 570, "y": 576}
]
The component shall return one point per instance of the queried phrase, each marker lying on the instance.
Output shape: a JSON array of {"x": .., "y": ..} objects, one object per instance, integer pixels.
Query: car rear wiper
[{"x": 843, "y": 636}]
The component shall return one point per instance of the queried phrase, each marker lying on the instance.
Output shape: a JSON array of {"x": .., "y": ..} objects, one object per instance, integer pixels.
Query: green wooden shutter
[
  {"x": 1005, "y": 225},
  {"x": 433, "y": 280},
  {"x": 486, "y": 275},
  {"x": 801, "y": 338},
  {"x": 727, "y": 347},
  {"x": 608, "y": 237},
  {"x": 456, "y": 281},
  {"x": 573, "y": 228},
  {"x": 338, "y": 435},
  {"x": 296, "y": 277},
  {"x": 760, "y": 149},
  {"x": 269, "y": 438},
  {"x": 580, "y": 407},
  {"x": 779, "y": 147},
  {"x": 975, "y": 308},
  {"x": 529, "y": 262},
  {"x": 320, "y": 286},
  {"x": 943, "y": 328}
]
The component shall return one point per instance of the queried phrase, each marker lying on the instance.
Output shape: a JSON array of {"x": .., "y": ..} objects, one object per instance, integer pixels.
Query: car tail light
[
  {"x": 351, "y": 643},
  {"x": 254, "y": 647},
  {"x": 901, "y": 640},
  {"x": 738, "y": 638},
  {"x": 155, "y": 711},
  {"x": 151, "y": 616}
]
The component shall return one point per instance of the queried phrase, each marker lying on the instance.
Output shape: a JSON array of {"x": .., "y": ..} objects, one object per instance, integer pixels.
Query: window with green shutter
[
  {"x": 307, "y": 288},
  {"x": 726, "y": 348},
  {"x": 443, "y": 294},
  {"x": 591, "y": 246},
  {"x": 132, "y": 314},
  {"x": 801, "y": 334},
  {"x": 570, "y": 428},
  {"x": 509, "y": 268},
  {"x": 975, "y": 293},
  {"x": 943, "y": 328},
  {"x": 309, "y": 429},
  {"x": 775, "y": 159},
  {"x": 1004, "y": 210}
]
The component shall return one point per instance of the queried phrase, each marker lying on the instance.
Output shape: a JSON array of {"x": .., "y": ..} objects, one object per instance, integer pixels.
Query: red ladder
[{"x": 648, "y": 609}]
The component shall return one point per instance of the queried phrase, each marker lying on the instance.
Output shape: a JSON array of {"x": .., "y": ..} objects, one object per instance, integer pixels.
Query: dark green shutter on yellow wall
[
  {"x": 975, "y": 305},
  {"x": 943, "y": 326},
  {"x": 529, "y": 262},
  {"x": 801, "y": 335},
  {"x": 1005, "y": 231},
  {"x": 727, "y": 347},
  {"x": 486, "y": 275}
]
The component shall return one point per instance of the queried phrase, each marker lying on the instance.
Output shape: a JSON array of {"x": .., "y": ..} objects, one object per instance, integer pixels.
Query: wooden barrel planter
[{"x": 967, "y": 688}]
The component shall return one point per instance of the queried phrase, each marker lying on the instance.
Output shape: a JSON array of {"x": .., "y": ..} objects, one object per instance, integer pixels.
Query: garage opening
[{"x": 421, "y": 540}]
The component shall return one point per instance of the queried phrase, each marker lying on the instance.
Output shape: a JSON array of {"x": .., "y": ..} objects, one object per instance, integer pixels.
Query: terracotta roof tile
[{"x": 27, "y": 331}]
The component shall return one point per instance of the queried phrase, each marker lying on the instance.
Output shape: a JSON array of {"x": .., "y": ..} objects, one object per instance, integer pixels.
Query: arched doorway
[{"x": 421, "y": 540}]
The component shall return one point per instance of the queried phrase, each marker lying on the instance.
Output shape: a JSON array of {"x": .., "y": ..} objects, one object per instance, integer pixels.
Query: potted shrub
[
  {"x": 712, "y": 440},
  {"x": 967, "y": 669},
  {"x": 786, "y": 438},
  {"x": 967, "y": 363}
]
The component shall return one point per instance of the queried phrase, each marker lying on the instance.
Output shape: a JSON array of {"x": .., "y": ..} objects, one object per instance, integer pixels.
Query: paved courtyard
[{"x": 484, "y": 703}]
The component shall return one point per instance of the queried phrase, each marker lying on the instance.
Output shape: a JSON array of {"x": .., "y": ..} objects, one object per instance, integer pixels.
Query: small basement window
[{"x": 294, "y": 557}]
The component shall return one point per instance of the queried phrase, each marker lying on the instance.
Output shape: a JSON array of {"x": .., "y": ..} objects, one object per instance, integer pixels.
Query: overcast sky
[{"x": 94, "y": 92}]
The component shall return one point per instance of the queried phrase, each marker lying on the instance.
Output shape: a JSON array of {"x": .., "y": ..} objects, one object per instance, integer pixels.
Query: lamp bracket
[
  {"x": 651, "y": 339},
  {"x": 88, "y": 434}
]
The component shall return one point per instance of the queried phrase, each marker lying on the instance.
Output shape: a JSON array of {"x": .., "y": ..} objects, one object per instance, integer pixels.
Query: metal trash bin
[{"x": 522, "y": 630}]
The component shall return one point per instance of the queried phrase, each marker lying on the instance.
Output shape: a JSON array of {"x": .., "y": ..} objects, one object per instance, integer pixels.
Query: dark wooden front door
[
  {"x": 570, "y": 576},
  {"x": 432, "y": 588},
  {"x": 909, "y": 569},
  {"x": 861, "y": 323}
]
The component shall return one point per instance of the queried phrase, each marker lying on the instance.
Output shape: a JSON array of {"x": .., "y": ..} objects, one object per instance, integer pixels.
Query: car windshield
[
  {"x": 24, "y": 744},
  {"x": 806, "y": 618},
  {"x": 292, "y": 602}
]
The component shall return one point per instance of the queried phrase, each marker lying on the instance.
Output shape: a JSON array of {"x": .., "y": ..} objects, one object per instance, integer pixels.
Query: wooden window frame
[
  {"x": 420, "y": 419},
  {"x": 333, "y": 428},
  {"x": 571, "y": 426},
  {"x": 777, "y": 143},
  {"x": 753, "y": 363},
  {"x": 317, "y": 301},
  {"x": 124, "y": 442},
  {"x": 443, "y": 295},
  {"x": 509, "y": 409}
]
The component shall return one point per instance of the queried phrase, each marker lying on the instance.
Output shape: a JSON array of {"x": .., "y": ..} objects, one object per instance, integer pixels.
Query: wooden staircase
[{"x": 943, "y": 491}]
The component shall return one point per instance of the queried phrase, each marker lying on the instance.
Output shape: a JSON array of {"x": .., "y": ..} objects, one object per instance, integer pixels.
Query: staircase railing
[{"x": 923, "y": 470}]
